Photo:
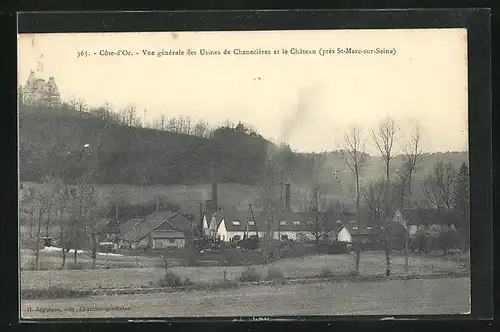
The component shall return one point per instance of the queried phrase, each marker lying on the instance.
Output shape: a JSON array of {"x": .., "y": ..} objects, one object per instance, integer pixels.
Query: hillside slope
[{"x": 51, "y": 139}]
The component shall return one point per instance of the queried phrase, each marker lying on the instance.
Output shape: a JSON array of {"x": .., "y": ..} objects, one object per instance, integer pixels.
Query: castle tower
[
  {"x": 30, "y": 83},
  {"x": 38, "y": 92}
]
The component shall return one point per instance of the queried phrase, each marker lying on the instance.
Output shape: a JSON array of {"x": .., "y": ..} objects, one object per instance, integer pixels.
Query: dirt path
[{"x": 438, "y": 296}]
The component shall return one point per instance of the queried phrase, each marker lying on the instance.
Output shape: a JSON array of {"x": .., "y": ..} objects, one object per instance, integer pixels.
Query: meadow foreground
[{"x": 395, "y": 297}]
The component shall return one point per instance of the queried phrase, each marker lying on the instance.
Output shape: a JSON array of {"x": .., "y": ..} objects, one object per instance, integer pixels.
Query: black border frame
[{"x": 476, "y": 21}]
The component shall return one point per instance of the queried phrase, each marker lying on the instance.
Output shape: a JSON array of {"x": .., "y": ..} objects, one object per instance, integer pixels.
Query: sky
[{"x": 305, "y": 100}]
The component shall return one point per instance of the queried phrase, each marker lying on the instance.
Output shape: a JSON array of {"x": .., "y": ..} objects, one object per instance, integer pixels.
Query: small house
[{"x": 157, "y": 231}]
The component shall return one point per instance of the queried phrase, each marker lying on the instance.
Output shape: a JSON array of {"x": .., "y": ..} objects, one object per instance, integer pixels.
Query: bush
[
  {"x": 170, "y": 280},
  {"x": 274, "y": 273},
  {"x": 446, "y": 240},
  {"x": 250, "y": 275},
  {"x": 76, "y": 266},
  {"x": 53, "y": 292},
  {"x": 325, "y": 272},
  {"x": 353, "y": 274}
]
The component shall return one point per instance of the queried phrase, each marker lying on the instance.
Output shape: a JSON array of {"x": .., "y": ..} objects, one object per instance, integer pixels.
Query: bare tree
[
  {"x": 173, "y": 125},
  {"x": 352, "y": 152},
  {"x": 201, "y": 128},
  {"x": 377, "y": 197},
  {"x": 384, "y": 138},
  {"x": 268, "y": 183},
  {"x": 61, "y": 199},
  {"x": 412, "y": 157},
  {"x": 130, "y": 115},
  {"x": 84, "y": 205},
  {"x": 28, "y": 208},
  {"x": 317, "y": 202},
  {"x": 43, "y": 199},
  {"x": 440, "y": 186}
]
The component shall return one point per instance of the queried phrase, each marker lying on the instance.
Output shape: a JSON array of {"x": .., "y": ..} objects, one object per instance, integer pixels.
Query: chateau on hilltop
[{"x": 37, "y": 91}]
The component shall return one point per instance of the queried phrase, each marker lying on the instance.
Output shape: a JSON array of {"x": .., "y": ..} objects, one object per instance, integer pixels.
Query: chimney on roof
[{"x": 287, "y": 196}]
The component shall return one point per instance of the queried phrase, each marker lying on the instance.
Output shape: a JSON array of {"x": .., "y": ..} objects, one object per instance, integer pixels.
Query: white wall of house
[
  {"x": 205, "y": 225},
  {"x": 278, "y": 235},
  {"x": 161, "y": 243},
  {"x": 222, "y": 232},
  {"x": 344, "y": 236}
]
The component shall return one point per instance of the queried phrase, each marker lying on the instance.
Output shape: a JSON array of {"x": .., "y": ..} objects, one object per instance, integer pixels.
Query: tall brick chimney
[{"x": 287, "y": 196}]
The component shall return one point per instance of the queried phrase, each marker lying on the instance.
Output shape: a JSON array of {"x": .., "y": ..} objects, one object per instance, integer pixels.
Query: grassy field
[
  {"x": 371, "y": 264},
  {"x": 51, "y": 260},
  {"x": 395, "y": 297}
]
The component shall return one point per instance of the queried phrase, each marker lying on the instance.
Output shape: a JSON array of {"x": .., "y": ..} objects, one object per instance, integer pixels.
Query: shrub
[
  {"x": 325, "y": 272},
  {"x": 353, "y": 273},
  {"x": 250, "y": 275},
  {"x": 170, "y": 280},
  {"x": 76, "y": 266},
  {"x": 53, "y": 292},
  {"x": 224, "y": 284},
  {"x": 275, "y": 274},
  {"x": 445, "y": 240}
]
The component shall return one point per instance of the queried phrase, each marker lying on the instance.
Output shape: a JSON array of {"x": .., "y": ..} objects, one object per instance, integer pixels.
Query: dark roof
[
  {"x": 373, "y": 230},
  {"x": 136, "y": 229},
  {"x": 230, "y": 215},
  {"x": 108, "y": 227},
  {"x": 366, "y": 230}
]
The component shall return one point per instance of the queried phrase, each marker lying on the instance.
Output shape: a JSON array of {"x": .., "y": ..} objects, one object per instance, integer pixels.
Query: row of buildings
[{"x": 168, "y": 229}]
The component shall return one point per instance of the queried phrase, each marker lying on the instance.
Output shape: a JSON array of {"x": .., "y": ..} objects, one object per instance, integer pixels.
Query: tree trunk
[
  {"x": 31, "y": 227},
  {"x": 357, "y": 191},
  {"x": 406, "y": 255},
  {"x": 37, "y": 246},
  {"x": 61, "y": 236},
  {"x": 388, "y": 260},
  {"x": 63, "y": 257},
  {"x": 47, "y": 224},
  {"x": 358, "y": 254},
  {"x": 94, "y": 250},
  {"x": 409, "y": 188},
  {"x": 75, "y": 259},
  {"x": 387, "y": 171}
]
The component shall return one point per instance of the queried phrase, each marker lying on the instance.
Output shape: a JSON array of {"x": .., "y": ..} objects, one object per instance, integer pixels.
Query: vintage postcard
[{"x": 243, "y": 174}]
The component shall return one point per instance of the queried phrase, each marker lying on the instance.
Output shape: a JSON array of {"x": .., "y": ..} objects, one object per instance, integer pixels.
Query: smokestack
[{"x": 287, "y": 196}]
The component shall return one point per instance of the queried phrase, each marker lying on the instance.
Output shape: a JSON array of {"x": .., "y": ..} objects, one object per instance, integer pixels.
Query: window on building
[
  {"x": 282, "y": 223},
  {"x": 284, "y": 237},
  {"x": 236, "y": 222},
  {"x": 296, "y": 222},
  {"x": 309, "y": 222},
  {"x": 251, "y": 222},
  {"x": 171, "y": 241}
]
